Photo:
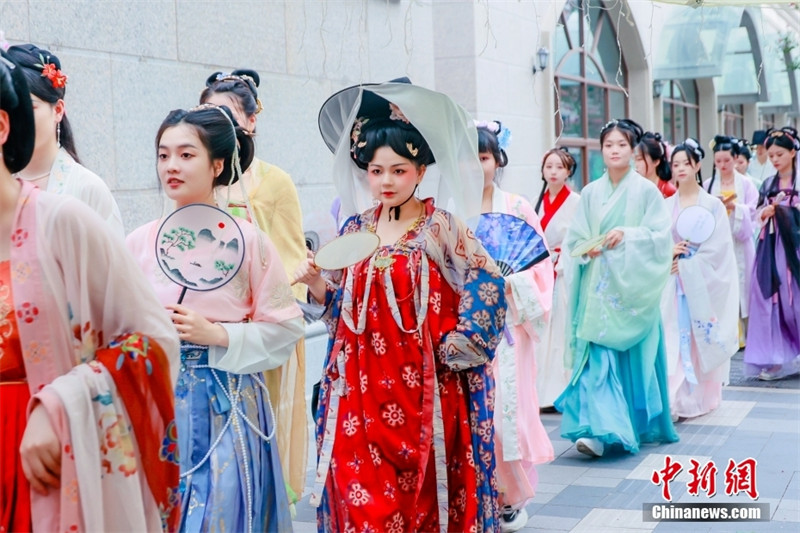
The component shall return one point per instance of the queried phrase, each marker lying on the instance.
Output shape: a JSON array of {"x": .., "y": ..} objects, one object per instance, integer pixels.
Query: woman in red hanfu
[{"x": 404, "y": 424}]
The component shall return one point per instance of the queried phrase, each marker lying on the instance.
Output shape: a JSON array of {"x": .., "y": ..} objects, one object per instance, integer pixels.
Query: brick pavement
[{"x": 580, "y": 494}]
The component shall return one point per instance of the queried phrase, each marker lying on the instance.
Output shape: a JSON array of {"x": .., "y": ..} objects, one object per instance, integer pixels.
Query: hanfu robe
[
  {"x": 520, "y": 439},
  {"x": 69, "y": 177},
  {"x": 554, "y": 359},
  {"x": 742, "y": 222},
  {"x": 773, "y": 334},
  {"x": 405, "y": 437},
  {"x": 100, "y": 357},
  {"x": 230, "y": 467},
  {"x": 700, "y": 314},
  {"x": 618, "y": 391},
  {"x": 274, "y": 200}
]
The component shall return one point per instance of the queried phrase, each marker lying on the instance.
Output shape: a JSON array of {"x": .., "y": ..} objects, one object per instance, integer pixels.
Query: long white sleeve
[{"x": 256, "y": 346}]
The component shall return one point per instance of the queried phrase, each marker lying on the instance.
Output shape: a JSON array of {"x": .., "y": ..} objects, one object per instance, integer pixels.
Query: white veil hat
[{"x": 455, "y": 180}]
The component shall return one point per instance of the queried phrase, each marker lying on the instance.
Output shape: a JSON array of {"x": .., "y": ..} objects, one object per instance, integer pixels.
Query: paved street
[{"x": 759, "y": 420}]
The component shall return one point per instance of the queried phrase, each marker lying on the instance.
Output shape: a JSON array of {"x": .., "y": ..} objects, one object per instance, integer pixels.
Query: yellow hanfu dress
[{"x": 274, "y": 200}]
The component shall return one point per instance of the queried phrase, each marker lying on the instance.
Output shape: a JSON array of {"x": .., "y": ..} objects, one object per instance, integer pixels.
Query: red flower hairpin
[{"x": 52, "y": 73}]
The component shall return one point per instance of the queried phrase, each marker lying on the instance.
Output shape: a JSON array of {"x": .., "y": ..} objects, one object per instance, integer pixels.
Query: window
[
  {"x": 733, "y": 116},
  {"x": 768, "y": 121},
  {"x": 591, "y": 80},
  {"x": 681, "y": 111}
]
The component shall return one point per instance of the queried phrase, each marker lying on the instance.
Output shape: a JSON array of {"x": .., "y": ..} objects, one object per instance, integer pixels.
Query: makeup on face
[
  {"x": 392, "y": 178},
  {"x": 184, "y": 167}
]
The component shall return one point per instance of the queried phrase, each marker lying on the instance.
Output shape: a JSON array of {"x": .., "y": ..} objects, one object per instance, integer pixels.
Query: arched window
[
  {"x": 681, "y": 111},
  {"x": 591, "y": 79},
  {"x": 733, "y": 116}
]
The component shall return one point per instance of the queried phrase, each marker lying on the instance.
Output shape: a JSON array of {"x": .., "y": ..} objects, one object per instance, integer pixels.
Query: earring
[{"x": 58, "y": 134}]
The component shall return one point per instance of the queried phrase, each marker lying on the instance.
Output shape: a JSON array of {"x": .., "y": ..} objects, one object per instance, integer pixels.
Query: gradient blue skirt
[
  {"x": 620, "y": 398},
  {"x": 231, "y": 477}
]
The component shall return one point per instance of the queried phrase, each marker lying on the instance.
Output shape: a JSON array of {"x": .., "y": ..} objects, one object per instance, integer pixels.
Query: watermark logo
[{"x": 738, "y": 478}]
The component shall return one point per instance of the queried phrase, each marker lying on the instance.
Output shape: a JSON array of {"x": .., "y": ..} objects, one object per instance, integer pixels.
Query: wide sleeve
[
  {"x": 744, "y": 212},
  {"x": 470, "y": 271},
  {"x": 107, "y": 293},
  {"x": 710, "y": 282},
  {"x": 276, "y": 322},
  {"x": 530, "y": 292},
  {"x": 623, "y": 294},
  {"x": 579, "y": 231}
]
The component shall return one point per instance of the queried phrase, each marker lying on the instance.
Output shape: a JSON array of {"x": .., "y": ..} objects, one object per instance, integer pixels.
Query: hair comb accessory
[
  {"x": 50, "y": 71},
  {"x": 355, "y": 133},
  {"x": 792, "y": 134},
  {"x": 200, "y": 107},
  {"x": 411, "y": 150},
  {"x": 396, "y": 114},
  {"x": 610, "y": 124}
]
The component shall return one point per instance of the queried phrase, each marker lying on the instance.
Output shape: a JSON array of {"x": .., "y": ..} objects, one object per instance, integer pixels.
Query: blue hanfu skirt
[
  {"x": 620, "y": 397},
  {"x": 231, "y": 478}
]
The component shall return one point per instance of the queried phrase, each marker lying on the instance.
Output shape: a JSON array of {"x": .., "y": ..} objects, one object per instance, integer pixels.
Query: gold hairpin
[{"x": 413, "y": 151}]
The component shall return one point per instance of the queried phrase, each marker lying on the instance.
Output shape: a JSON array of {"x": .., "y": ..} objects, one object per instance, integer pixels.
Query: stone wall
[{"x": 130, "y": 62}]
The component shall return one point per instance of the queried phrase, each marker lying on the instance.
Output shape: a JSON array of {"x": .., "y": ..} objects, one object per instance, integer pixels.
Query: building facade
[{"x": 675, "y": 69}]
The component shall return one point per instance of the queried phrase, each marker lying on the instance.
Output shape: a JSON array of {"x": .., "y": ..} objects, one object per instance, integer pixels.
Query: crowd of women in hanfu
[{"x": 157, "y": 381}]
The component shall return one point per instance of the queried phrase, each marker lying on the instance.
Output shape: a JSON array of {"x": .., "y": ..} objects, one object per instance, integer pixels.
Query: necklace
[{"x": 32, "y": 180}]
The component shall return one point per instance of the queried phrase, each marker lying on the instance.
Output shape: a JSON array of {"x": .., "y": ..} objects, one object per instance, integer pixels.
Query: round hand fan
[
  {"x": 512, "y": 243},
  {"x": 346, "y": 250},
  {"x": 695, "y": 224},
  {"x": 588, "y": 245},
  {"x": 199, "y": 247}
]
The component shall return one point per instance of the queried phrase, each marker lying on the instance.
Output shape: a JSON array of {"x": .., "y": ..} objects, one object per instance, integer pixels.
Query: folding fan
[{"x": 511, "y": 242}]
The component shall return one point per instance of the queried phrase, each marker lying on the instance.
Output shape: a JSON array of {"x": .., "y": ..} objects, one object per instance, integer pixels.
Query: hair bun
[
  {"x": 212, "y": 79},
  {"x": 252, "y": 74}
]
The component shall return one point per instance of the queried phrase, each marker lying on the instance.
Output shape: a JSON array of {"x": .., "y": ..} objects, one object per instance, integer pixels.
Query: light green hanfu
[{"x": 618, "y": 392}]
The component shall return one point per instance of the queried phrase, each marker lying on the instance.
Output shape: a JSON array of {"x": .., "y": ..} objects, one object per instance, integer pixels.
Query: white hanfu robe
[{"x": 699, "y": 313}]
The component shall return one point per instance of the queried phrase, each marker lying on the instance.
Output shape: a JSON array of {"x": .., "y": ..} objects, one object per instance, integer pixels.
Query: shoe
[
  {"x": 513, "y": 519},
  {"x": 766, "y": 376},
  {"x": 675, "y": 418},
  {"x": 550, "y": 409},
  {"x": 590, "y": 446}
]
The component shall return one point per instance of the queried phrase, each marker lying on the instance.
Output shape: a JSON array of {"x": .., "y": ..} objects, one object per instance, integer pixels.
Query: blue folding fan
[{"x": 512, "y": 243}]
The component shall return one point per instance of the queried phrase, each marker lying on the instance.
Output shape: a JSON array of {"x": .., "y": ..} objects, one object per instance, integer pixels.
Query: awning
[
  {"x": 695, "y": 43},
  {"x": 783, "y": 83},
  {"x": 744, "y": 70}
]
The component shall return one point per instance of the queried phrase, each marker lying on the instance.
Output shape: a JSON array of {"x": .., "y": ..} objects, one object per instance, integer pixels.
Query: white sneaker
[
  {"x": 766, "y": 376},
  {"x": 513, "y": 519},
  {"x": 590, "y": 446}
]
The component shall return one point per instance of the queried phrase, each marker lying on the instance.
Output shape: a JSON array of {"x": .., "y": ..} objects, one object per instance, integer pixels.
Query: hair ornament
[
  {"x": 411, "y": 150},
  {"x": 694, "y": 146},
  {"x": 496, "y": 127},
  {"x": 396, "y": 114},
  {"x": 4, "y": 45},
  {"x": 201, "y": 107},
  {"x": 610, "y": 124},
  {"x": 50, "y": 71},
  {"x": 788, "y": 132}
]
